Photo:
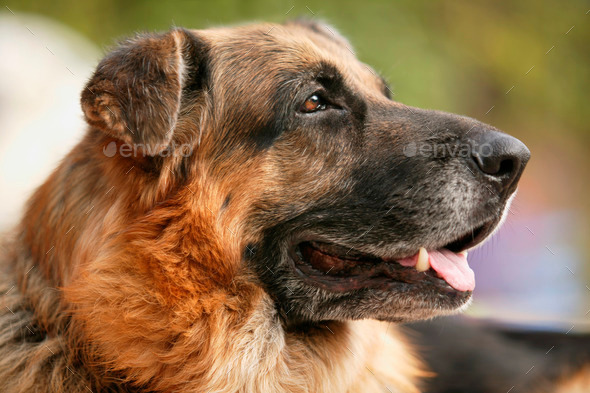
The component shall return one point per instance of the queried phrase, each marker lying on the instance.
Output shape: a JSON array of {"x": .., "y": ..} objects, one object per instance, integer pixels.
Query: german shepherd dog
[{"x": 248, "y": 211}]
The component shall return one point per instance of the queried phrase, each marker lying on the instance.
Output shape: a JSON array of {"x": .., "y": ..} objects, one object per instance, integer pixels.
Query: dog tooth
[
  {"x": 423, "y": 262},
  {"x": 464, "y": 253}
]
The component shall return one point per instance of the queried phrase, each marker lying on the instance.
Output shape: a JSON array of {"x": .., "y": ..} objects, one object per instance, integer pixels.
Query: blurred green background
[{"x": 522, "y": 66}]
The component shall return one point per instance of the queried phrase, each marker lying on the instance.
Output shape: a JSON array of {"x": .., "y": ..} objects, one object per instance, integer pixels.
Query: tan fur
[{"x": 577, "y": 383}]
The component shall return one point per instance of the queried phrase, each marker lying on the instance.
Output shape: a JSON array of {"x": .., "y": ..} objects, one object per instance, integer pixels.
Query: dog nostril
[
  {"x": 496, "y": 166},
  {"x": 506, "y": 167},
  {"x": 499, "y": 155}
]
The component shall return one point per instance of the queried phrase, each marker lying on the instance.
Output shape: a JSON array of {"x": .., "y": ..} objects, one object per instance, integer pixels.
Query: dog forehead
[{"x": 286, "y": 49}]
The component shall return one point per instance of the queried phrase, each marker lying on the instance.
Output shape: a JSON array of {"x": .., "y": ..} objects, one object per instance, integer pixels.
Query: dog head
[{"x": 339, "y": 201}]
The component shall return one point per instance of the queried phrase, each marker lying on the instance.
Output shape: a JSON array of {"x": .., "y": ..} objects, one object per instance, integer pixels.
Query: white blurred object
[
  {"x": 43, "y": 69},
  {"x": 532, "y": 273}
]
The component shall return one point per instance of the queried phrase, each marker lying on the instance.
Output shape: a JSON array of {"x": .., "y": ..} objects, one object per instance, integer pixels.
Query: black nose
[{"x": 499, "y": 155}]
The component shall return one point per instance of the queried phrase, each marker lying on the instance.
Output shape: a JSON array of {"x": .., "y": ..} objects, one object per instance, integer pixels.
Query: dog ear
[{"x": 136, "y": 91}]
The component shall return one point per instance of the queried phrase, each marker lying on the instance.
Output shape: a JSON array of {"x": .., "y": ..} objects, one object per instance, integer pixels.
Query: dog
[{"x": 248, "y": 211}]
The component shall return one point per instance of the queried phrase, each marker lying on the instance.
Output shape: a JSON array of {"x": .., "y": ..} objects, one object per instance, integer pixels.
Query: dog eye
[{"x": 313, "y": 104}]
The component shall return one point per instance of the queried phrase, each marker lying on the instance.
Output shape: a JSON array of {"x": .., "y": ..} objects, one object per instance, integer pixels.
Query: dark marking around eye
[{"x": 330, "y": 78}]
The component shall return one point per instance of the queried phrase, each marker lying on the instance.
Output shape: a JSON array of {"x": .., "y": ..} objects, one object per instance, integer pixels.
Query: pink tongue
[{"x": 451, "y": 267}]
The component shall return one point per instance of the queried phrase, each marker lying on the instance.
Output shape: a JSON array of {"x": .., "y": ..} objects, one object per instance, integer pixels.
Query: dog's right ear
[{"x": 136, "y": 91}]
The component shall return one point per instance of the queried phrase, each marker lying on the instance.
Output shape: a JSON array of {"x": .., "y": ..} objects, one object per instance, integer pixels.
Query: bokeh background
[{"x": 522, "y": 66}]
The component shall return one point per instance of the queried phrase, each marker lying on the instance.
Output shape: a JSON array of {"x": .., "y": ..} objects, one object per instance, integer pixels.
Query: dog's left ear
[{"x": 136, "y": 91}]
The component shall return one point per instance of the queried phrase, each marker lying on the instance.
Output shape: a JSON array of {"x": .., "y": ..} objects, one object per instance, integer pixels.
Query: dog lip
[
  {"x": 346, "y": 269},
  {"x": 458, "y": 243},
  {"x": 361, "y": 271},
  {"x": 473, "y": 237}
]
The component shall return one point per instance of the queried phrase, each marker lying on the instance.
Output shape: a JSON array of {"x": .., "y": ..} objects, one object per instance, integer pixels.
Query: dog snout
[{"x": 500, "y": 156}]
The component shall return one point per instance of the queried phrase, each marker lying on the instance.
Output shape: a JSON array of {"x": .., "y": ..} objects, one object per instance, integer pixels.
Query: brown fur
[
  {"x": 577, "y": 383},
  {"x": 125, "y": 274}
]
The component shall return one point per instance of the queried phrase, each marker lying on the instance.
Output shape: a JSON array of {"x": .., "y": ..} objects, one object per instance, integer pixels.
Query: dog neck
[{"x": 159, "y": 302}]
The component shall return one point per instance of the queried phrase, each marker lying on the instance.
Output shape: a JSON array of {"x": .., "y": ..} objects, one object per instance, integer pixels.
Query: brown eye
[{"x": 313, "y": 104}]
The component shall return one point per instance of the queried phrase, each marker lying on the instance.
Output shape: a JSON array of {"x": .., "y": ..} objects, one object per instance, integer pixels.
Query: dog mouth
[{"x": 340, "y": 269}]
